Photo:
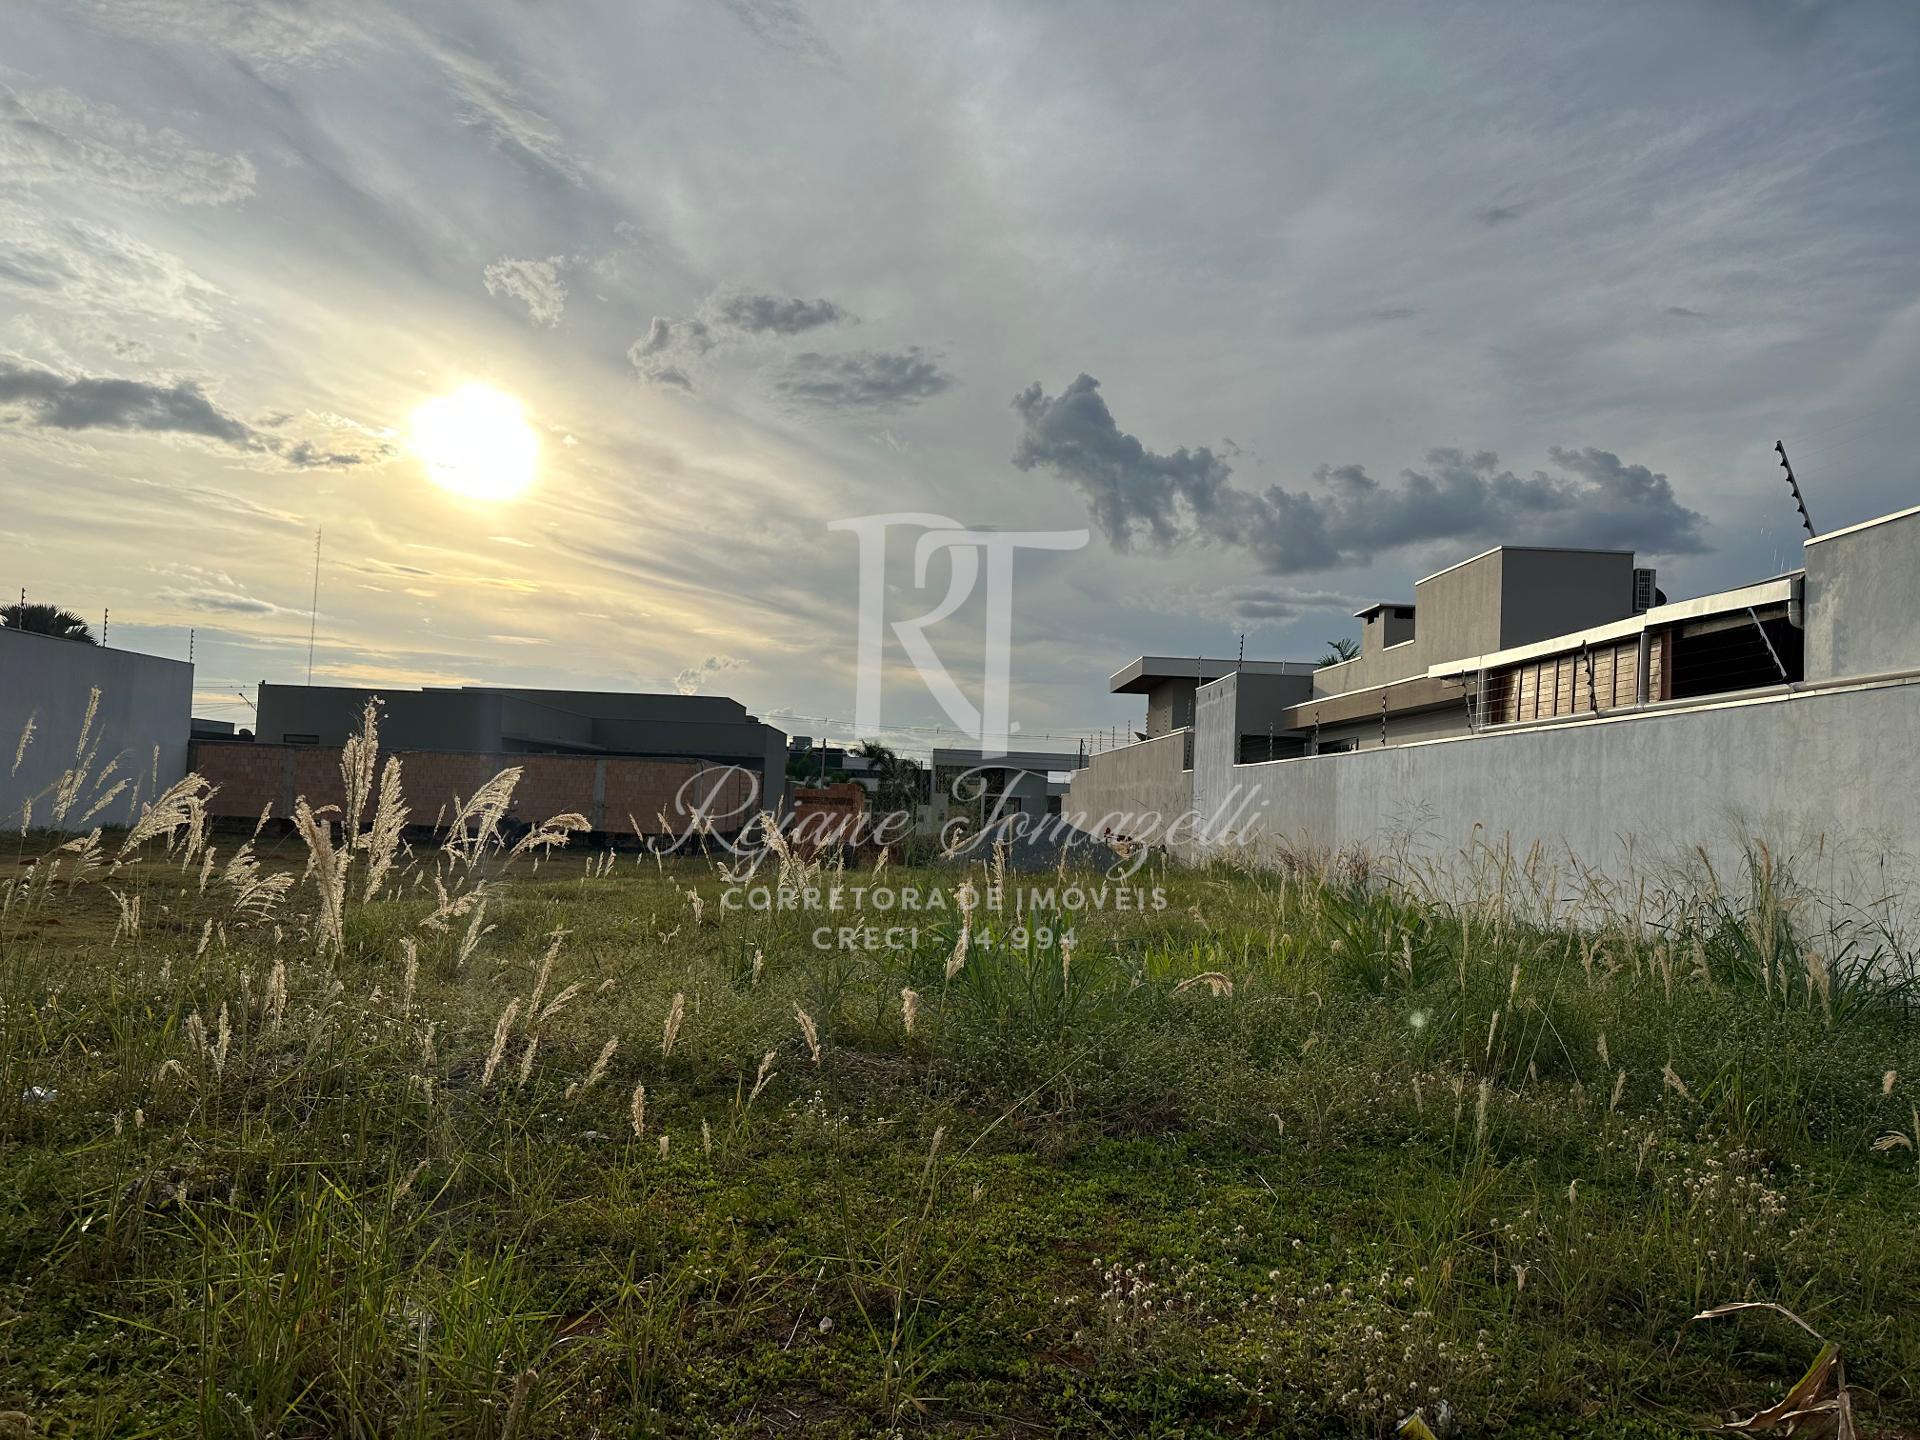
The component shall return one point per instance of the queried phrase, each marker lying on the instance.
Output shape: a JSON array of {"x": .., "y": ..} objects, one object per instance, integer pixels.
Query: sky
[{"x": 1285, "y": 305}]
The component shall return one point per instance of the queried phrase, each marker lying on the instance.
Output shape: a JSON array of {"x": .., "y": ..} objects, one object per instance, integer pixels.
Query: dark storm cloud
[
  {"x": 862, "y": 379},
  {"x": 1128, "y": 487},
  {"x": 1498, "y": 215},
  {"x": 776, "y": 314},
  {"x": 1133, "y": 493},
  {"x": 81, "y": 402},
  {"x": 87, "y": 402}
]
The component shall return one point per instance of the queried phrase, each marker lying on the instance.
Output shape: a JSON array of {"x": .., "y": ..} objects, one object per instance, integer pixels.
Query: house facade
[{"x": 1556, "y": 698}]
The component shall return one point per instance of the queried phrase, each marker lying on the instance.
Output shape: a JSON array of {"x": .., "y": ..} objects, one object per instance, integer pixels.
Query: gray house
[
  {"x": 496, "y": 720},
  {"x": 1555, "y": 696},
  {"x": 108, "y": 730}
]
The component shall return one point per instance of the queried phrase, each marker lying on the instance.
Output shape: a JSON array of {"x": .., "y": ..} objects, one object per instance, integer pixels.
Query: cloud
[
  {"x": 659, "y": 355},
  {"x": 783, "y": 25},
  {"x": 274, "y": 38},
  {"x": 775, "y": 314},
  {"x": 535, "y": 283},
  {"x": 1277, "y": 605},
  {"x": 667, "y": 353},
  {"x": 54, "y": 401},
  {"x": 305, "y": 455},
  {"x": 102, "y": 275},
  {"x": 1681, "y": 312},
  {"x": 1127, "y": 486},
  {"x": 489, "y": 103},
  {"x": 1498, "y": 215},
  {"x": 862, "y": 379},
  {"x": 53, "y": 137},
  {"x": 220, "y": 602},
  {"x": 689, "y": 681},
  {"x": 1135, "y": 493},
  {"x": 220, "y": 503},
  {"x": 213, "y": 591},
  {"x": 281, "y": 39},
  {"x": 80, "y": 402}
]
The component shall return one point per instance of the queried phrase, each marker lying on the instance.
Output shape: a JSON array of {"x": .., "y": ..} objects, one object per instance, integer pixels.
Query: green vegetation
[
  {"x": 46, "y": 620},
  {"x": 546, "y": 1143}
]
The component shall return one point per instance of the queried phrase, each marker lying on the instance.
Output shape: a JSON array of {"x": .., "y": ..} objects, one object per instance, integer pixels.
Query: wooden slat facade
[{"x": 1577, "y": 682}]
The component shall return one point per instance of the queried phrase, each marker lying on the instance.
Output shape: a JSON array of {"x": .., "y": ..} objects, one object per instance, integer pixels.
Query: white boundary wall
[{"x": 1828, "y": 778}]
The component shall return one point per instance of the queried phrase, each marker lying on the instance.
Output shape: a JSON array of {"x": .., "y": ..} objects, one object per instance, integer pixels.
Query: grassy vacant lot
[{"x": 310, "y": 1164}]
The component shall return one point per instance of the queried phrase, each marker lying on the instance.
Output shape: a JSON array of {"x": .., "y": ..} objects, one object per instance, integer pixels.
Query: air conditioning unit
[{"x": 1645, "y": 595}]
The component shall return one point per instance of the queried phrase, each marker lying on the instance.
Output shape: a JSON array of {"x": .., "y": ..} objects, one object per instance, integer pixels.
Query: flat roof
[
  {"x": 1036, "y": 761},
  {"x": 1379, "y": 605},
  {"x": 1141, "y": 675},
  {"x": 1765, "y": 592},
  {"x": 1864, "y": 525},
  {"x": 1527, "y": 549}
]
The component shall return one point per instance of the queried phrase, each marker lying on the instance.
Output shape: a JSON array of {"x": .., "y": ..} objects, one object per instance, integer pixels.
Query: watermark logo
[{"x": 971, "y": 554}]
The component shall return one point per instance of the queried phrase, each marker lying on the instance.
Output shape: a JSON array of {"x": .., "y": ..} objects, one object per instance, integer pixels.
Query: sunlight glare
[{"x": 476, "y": 442}]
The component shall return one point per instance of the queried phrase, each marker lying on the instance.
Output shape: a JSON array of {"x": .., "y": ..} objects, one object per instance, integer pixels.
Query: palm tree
[
  {"x": 1340, "y": 649},
  {"x": 46, "y": 620},
  {"x": 897, "y": 779}
]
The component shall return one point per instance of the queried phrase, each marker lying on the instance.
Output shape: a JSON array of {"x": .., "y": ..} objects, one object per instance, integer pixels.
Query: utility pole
[
  {"x": 313, "y": 615},
  {"x": 106, "y": 613}
]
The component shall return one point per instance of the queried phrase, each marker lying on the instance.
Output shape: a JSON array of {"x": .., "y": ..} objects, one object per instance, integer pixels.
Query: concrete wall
[
  {"x": 1260, "y": 700},
  {"x": 1863, "y": 599},
  {"x": 1544, "y": 593},
  {"x": 1134, "y": 791},
  {"x": 1170, "y": 705},
  {"x": 1510, "y": 596},
  {"x": 1826, "y": 777},
  {"x": 145, "y": 702},
  {"x": 1402, "y": 729},
  {"x": 1377, "y": 667}
]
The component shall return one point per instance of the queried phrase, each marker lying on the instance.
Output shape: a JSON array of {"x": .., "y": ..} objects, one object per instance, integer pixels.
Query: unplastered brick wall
[
  {"x": 824, "y": 814},
  {"x": 618, "y": 796}
]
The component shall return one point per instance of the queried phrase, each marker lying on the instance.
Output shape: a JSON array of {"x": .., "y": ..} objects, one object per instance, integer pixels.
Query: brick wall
[
  {"x": 826, "y": 814},
  {"x": 619, "y": 796}
]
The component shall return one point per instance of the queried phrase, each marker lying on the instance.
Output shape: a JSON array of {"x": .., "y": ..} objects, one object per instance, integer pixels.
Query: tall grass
[{"x": 366, "y": 1129}]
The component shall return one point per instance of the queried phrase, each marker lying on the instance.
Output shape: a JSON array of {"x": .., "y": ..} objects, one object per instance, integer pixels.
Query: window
[{"x": 299, "y": 739}]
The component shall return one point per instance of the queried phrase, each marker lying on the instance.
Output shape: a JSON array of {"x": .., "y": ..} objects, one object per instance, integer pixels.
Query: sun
[{"x": 476, "y": 442}]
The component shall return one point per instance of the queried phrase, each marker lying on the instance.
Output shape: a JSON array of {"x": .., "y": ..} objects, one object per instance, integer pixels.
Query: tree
[
  {"x": 896, "y": 778},
  {"x": 46, "y": 620},
  {"x": 1339, "y": 649}
]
